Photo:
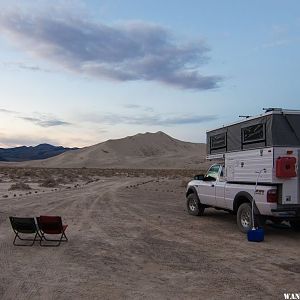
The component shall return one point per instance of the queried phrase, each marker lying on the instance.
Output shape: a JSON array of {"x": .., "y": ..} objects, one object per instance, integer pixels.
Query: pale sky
[{"x": 76, "y": 73}]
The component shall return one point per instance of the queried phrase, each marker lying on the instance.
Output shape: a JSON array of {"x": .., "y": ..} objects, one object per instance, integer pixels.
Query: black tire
[
  {"x": 194, "y": 207},
  {"x": 244, "y": 218},
  {"x": 295, "y": 225}
]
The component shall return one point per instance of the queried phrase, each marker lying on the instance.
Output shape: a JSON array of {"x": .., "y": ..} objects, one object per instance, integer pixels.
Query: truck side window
[{"x": 212, "y": 173}]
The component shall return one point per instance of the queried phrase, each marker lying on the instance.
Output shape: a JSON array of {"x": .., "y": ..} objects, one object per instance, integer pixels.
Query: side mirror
[
  {"x": 199, "y": 177},
  {"x": 209, "y": 178}
]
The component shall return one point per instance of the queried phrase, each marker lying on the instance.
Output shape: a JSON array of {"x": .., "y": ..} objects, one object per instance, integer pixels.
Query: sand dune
[{"x": 148, "y": 150}]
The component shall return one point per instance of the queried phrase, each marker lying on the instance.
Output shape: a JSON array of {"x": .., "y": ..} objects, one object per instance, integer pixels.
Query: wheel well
[
  {"x": 241, "y": 198},
  {"x": 191, "y": 190}
]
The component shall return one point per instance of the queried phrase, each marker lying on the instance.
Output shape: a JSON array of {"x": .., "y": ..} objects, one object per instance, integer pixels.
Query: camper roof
[
  {"x": 268, "y": 111},
  {"x": 275, "y": 127}
]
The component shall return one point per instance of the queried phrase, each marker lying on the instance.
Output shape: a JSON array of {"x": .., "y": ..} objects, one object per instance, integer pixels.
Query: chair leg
[
  {"x": 63, "y": 238},
  {"x": 22, "y": 239}
]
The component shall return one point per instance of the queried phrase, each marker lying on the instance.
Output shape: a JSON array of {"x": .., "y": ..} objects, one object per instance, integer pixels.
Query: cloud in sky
[
  {"x": 280, "y": 36},
  {"x": 132, "y": 106},
  {"x": 6, "y": 111},
  {"x": 138, "y": 107},
  {"x": 146, "y": 119},
  {"x": 24, "y": 66},
  {"x": 42, "y": 120},
  {"x": 45, "y": 121},
  {"x": 123, "y": 52}
]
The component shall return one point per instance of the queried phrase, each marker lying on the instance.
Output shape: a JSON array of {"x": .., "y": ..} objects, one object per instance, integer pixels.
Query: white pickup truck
[
  {"x": 212, "y": 190},
  {"x": 260, "y": 158}
]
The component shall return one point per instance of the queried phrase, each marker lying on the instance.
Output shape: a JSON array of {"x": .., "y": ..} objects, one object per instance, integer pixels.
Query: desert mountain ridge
[
  {"x": 140, "y": 151},
  {"x": 24, "y": 153}
]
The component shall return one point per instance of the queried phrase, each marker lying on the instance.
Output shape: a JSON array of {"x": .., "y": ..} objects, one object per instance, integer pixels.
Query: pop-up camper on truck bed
[{"x": 260, "y": 160}]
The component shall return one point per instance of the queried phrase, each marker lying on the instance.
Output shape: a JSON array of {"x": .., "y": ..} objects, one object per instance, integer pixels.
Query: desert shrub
[
  {"x": 49, "y": 182},
  {"x": 61, "y": 180},
  {"x": 19, "y": 173},
  {"x": 86, "y": 178},
  {"x": 12, "y": 176},
  {"x": 29, "y": 173},
  {"x": 45, "y": 174},
  {"x": 68, "y": 176},
  {"x": 19, "y": 186}
]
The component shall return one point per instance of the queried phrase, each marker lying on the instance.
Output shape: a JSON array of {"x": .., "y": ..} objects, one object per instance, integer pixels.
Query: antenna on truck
[
  {"x": 272, "y": 109},
  {"x": 246, "y": 116}
]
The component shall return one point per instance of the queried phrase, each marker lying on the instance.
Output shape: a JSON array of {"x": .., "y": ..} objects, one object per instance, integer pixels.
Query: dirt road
[{"x": 131, "y": 238}]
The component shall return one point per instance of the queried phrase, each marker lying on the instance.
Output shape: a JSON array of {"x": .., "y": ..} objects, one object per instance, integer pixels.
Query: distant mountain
[
  {"x": 147, "y": 150},
  {"x": 2, "y": 159},
  {"x": 25, "y": 153}
]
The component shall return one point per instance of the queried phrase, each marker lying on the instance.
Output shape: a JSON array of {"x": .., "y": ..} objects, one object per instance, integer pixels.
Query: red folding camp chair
[{"x": 51, "y": 225}]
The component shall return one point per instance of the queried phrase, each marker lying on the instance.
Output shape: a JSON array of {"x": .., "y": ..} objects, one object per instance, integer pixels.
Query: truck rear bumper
[{"x": 287, "y": 211}]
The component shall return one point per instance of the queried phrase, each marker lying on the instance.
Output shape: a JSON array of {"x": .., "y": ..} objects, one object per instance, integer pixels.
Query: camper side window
[
  {"x": 218, "y": 141},
  {"x": 253, "y": 134}
]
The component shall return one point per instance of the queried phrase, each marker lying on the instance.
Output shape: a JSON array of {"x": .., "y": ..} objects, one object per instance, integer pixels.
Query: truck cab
[{"x": 211, "y": 186}]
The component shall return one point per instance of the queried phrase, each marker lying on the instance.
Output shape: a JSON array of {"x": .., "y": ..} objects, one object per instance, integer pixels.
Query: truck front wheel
[{"x": 194, "y": 207}]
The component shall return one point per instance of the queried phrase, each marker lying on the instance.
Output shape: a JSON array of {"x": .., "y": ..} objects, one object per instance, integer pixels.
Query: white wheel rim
[
  {"x": 246, "y": 218},
  {"x": 192, "y": 205}
]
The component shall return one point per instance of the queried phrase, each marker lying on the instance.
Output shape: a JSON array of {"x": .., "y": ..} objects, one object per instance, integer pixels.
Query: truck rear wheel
[
  {"x": 244, "y": 218},
  {"x": 194, "y": 207}
]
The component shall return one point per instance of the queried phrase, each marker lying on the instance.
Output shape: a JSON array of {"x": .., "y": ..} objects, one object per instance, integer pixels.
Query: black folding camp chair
[{"x": 24, "y": 226}]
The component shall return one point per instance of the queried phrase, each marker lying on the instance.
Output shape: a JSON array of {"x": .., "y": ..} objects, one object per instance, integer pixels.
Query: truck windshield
[{"x": 213, "y": 171}]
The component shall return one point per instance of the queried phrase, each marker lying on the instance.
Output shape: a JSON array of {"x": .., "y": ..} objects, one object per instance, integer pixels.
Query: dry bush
[
  {"x": 87, "y": 179},
  {"x": 19, "y": 173},
  {"x": 19, "y": 186},
  {"x": 29, "y": 173},
  {"x": 45, "y": 174},
  {"x": 12, "y": 176},
  {"x": 62, "y": 180},
  {"x": 49, "y": 182},
  {"x": 68, "y": 175}
]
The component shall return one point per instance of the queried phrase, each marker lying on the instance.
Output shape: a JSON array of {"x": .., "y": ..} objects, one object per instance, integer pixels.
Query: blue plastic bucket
[{"x": 256, "y": 235}]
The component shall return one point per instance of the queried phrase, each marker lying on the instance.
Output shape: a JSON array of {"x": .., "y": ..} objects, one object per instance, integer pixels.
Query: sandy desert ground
[{"x": 130, "y": 237}]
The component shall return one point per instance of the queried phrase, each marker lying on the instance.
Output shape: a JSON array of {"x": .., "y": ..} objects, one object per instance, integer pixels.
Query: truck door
[
  {"x": 220, "y": 190},
  {"x": 207, "y": 192},
  {"x": 207, "y": 188}
]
